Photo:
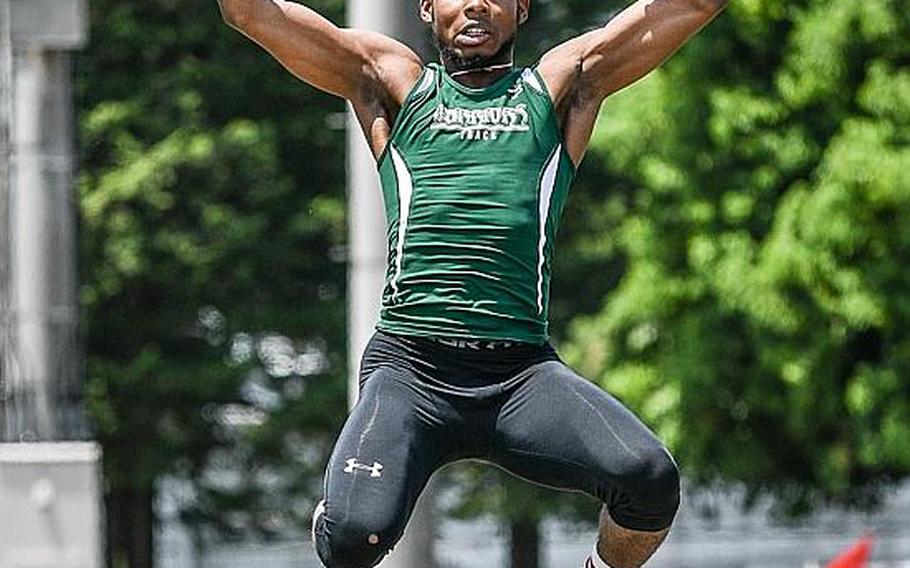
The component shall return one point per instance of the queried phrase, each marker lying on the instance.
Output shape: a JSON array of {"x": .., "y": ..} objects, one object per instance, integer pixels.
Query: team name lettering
[{"x": 483, "y": 123}]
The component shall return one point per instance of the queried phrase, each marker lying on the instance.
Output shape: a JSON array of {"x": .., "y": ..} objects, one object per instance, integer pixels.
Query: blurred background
[{"x": 176, "y": 269}]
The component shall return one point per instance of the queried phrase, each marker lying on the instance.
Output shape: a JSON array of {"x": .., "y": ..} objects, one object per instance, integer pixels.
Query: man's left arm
[{"x": 598, "y": 63}]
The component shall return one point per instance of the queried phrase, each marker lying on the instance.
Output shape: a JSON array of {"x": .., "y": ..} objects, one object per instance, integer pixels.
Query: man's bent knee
[
  {"x": 349, "y": 543},
  {"x": 650, "y": 493}
]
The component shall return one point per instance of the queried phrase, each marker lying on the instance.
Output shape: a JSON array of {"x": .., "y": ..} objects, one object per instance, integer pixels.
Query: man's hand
[
  {"x": 349, "y": 63},
  {"x": 585, "y": 70}
]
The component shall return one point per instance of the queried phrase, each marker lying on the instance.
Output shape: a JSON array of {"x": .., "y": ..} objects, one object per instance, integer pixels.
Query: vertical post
[
  {"x": 6, "y": 337},
  {"x": 367, "y": 255},
  {"x": 399, "y": 19},
  {"x": 49, "y": 490},
  {"x": 41, "y": 355},
  {"x": 367, "y": 250},
  {"x": 43, "y": 249}
]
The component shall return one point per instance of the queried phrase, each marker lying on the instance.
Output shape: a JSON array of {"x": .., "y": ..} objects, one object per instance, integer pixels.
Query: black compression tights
[{"x": 424, "y": 405}]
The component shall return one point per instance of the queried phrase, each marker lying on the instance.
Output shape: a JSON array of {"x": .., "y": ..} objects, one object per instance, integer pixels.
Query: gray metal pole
[
  {"x": 6, "y": 336},
  {"x": 399, "y": 19},
  {"x": 42, "y": 396},
  {"x": 367, "y": 250},
  {"x": 50, "y": 491},
  {"x": 367, "y": 255},
  {"x": 41, "y": 244}
]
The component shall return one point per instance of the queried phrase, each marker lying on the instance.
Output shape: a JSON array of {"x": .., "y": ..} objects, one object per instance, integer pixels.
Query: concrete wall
[{"x": 50, "y": 515}]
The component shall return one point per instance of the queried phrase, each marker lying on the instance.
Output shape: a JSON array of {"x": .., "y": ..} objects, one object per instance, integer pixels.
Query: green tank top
[{"x": 474, "y": 182}]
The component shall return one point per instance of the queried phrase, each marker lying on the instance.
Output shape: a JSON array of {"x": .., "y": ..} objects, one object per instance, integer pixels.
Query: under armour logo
[{"x": 375, "y": 470}]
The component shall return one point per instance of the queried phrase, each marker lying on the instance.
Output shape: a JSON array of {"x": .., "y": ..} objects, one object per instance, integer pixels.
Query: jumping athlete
[{"x": 476, "y": 158}]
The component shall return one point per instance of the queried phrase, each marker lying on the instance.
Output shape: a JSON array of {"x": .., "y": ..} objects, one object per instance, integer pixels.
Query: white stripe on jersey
[
  {"x": 405, "y": 192},
  {"x": 545, "y": 196}
]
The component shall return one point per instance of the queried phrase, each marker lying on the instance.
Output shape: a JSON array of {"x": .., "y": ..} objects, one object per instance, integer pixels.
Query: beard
[{"x": 457, "y": 62}]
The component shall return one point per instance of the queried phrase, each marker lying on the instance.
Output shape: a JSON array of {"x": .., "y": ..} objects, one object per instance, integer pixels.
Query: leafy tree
[
  {"x": 737, "y": 232},
  {"x": 762, "y": 220},
  {"x": 211, "y": 195}
]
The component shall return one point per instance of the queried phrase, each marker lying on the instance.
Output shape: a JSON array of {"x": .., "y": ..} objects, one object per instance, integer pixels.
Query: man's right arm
[{"x": 352, "y": 64}]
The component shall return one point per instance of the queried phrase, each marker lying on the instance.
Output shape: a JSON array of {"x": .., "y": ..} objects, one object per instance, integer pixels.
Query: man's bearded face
[{"x": 474, "y": 33}]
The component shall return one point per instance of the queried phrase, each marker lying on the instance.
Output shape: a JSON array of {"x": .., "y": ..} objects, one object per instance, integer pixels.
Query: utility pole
[
  {"x": 42, "y": 370},
  {"x": 367, "y": 255},
  {"x": 6, "y": 65},
  {"x": 49, "y": 484}
]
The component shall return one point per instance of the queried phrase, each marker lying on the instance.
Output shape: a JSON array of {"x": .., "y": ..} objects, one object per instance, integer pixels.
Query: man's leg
[
  {"x": 381, "y": 462},
  {"x": 618, "y": 547},
  {"x": 560, "y": 430}
]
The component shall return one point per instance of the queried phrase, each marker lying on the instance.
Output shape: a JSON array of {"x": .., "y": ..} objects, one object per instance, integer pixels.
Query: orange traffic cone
[{"x": 857, "y": 556}]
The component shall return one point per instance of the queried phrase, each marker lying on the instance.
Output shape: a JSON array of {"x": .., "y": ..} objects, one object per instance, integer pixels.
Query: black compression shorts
[{"x": 425, "y": 403}]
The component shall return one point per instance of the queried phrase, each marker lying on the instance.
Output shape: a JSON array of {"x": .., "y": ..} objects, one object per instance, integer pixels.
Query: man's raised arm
[
  {"x": 632, "y": 44},
  {"x": 352, "y": 64}
]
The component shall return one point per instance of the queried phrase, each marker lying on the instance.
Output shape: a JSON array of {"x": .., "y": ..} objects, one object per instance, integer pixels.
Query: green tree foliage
[
  {"x": 736, "y": 237},
  {"x": 212, "y": 205},
  {"x": 761, "y": 223}
]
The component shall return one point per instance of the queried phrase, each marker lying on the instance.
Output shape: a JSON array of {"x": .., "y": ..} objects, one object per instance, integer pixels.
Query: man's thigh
[
  {"x": 381, "y": 462},
  {"x": 560, "y": 430}
]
